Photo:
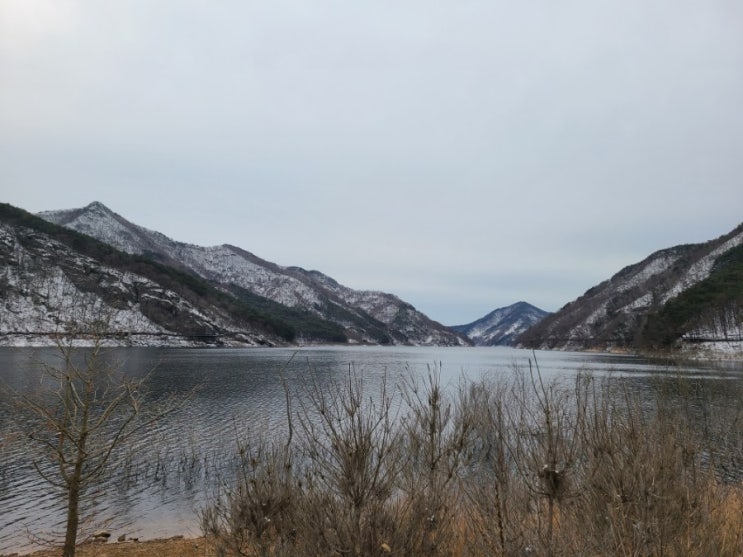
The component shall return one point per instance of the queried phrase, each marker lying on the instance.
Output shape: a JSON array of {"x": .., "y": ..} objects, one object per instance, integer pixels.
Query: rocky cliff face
[
  {"x": 365, "y": 316},
  {"x": 502, "y": 326},
  {"x": 621, "y": 312}
]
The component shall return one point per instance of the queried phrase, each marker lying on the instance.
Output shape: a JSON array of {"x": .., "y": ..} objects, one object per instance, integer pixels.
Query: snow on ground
[{"x": 40, "y": 300}]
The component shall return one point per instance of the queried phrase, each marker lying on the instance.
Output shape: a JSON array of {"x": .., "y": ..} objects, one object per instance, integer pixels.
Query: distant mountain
[
  {"x": 688, "y": 296},
  {"x": 502, "y": 326},
  {"x": 361, "y": 316}
]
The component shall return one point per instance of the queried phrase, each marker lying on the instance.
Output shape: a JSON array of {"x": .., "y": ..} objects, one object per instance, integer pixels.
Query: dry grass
[
  {"x": 728, "y": 515},
  {"x": 731, "y": 518},
  {"x": 172, "y": 547}
]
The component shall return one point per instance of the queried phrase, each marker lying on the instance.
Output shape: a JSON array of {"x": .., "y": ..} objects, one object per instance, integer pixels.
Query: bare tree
[{"x": 84, "y": 411}]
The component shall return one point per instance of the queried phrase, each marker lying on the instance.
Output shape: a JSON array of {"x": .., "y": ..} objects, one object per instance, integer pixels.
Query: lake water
[{"x": 176, "y": 467}]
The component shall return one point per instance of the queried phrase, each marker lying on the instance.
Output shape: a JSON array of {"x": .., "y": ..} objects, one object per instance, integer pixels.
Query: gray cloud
[{"x": 460, "y": 154}]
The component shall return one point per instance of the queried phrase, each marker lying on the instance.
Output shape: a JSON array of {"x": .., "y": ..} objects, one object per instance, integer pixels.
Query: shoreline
[{"x": 175, "y": 546}]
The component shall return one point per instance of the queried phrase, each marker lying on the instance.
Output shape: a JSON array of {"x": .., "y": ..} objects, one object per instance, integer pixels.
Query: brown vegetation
[
  {"x": 506, "y": 467},
  {"x": 171, "y": 547},
  {"x": 517, "y": 467}
]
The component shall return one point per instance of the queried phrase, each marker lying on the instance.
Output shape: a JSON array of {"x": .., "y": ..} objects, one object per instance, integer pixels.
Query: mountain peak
[
  {"x": 503, "y": 325},
  {"x": 98, "y": 221},
  {"x": 98, "y": 207}
]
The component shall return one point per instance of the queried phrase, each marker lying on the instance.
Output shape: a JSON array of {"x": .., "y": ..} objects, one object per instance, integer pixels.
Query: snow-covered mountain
[
  {"x": 53, "y": 284},
  {"x": 365, "y": 316},
  {"x": 666, "y": 300},
  {"x": 502, "y": 326}
]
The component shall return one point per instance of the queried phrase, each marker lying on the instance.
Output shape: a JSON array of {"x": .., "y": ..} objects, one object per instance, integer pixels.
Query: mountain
[
  {"x": 55, "y": 280},
  {"x": 361, "y": 316},
  {"x": 502, "y": 326},
  {"x": 684, "y": 297}
]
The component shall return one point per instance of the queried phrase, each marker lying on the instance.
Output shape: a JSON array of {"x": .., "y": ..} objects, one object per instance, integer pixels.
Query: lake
[{"x": 176, "y": 467}]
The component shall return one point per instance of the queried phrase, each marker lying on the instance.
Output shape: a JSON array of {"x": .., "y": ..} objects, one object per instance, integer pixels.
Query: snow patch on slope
[
  {"x": 701, "y": 269},
  {"x": 40, "y": 298},
  {"x": 654, "y": 267}
]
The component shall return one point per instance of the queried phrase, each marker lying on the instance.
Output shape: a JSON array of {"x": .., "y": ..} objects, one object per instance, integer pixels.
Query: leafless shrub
[
  {"x": 646, "y": 490},
  {"x": 527, "y": 446},
  {"x": 351, "y": 444},
  {"x": 597, "y": 469},
  {"x": 547, "y": 418},
  {"x": 435, "y": 437},
  {"x": 256, "y": 514},
  {"x": 492, "y": 510},
  {"x": 509, "y": 467}
]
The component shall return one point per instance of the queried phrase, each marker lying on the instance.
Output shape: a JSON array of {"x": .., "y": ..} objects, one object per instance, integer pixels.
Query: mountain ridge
[
  {"x": 366, "y": 316},
  {"x": 58, "y": 281},
  {"x": 615, "y": 313},
  {"x": 677, "y": 297}
]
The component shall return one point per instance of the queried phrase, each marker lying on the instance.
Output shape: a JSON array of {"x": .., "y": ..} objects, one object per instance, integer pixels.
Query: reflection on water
[{"x": 170, "y": 472}]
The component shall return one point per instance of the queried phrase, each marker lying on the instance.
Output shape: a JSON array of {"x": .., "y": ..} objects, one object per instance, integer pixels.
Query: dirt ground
[{"x": 172, "y": 547}]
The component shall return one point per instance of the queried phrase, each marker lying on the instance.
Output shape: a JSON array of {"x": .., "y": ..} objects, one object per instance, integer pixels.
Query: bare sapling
[
  {"x": 351, "y": 443},
  {"x": 84, "y": 411},
  {"x": 547, "y": 418},
  {"x": 489, "y": 484},
  {"x": 434, "y": 445}
]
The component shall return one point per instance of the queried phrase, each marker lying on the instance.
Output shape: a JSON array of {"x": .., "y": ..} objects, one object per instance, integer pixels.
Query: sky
[{"x": 461, "y": 154}]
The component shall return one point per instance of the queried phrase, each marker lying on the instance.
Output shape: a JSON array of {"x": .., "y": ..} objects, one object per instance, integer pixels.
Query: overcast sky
[{"x": 461, "y": 154}]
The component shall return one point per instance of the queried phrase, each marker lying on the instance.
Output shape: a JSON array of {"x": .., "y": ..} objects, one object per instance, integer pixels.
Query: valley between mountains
[{"x": 71, "y": 271}]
